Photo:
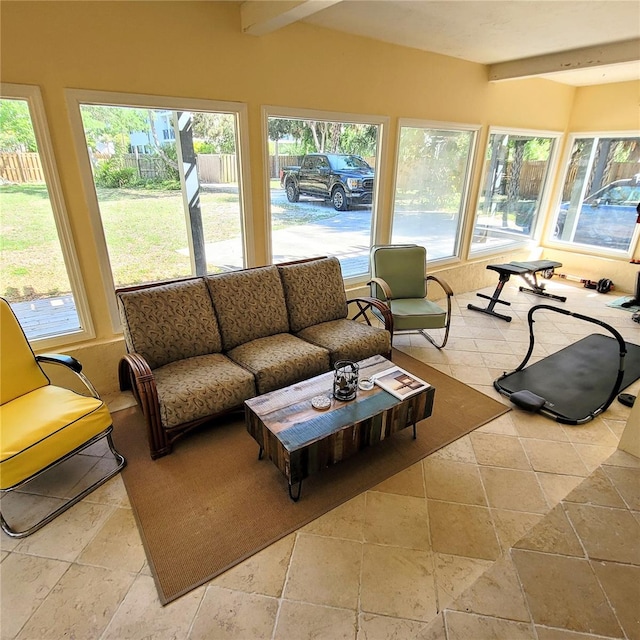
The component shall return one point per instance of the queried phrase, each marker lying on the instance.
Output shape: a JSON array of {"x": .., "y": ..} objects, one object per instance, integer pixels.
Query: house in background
[{"x": 143, "y": 142}]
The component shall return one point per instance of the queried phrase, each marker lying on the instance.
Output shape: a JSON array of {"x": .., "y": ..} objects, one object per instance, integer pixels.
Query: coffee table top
[{"x": 288, "y": 413}]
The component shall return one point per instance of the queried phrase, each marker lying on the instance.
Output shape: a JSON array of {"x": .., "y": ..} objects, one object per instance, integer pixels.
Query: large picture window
[
  {"x": 167, "y": 178},
  {"x": 600, "y": 194},
  {"x": 323, "y": 179},
  {"x": 38, "y": 271},
  {"x": 431, "y": 187},
  {"x": 514, "y": 189}
]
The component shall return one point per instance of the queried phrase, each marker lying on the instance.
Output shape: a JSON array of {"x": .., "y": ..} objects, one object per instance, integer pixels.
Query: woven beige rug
[{"x": 211, "y": 503}]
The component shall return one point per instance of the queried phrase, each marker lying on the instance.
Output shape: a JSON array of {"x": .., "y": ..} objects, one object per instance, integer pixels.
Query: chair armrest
[
  {"x": 61, "y": 359},
  {"x": 386, "y": 289},
  {"x": 366, "y": 304},
  {"x": 445, "y": 285},
  {"x": 70, "y": 363}
]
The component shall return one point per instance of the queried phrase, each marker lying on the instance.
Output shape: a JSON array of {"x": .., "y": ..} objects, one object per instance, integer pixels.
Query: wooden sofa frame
[{"x": 135, "y": 374}]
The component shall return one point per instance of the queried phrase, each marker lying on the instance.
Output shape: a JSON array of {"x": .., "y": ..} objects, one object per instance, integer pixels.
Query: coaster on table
[{"x": 321, "y": 402}]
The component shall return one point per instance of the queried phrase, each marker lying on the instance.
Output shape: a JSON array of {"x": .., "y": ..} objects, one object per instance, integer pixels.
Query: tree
[
  {"x": 360, "y": 139},
  {"x": 16, "y": 129},
  {"x": 278, "y": 129},
  {"x": 105, "y": 124},
  {"x": 217, "y": 130}
]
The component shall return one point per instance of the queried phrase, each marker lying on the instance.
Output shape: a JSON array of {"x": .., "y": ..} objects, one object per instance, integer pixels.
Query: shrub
[{"x": 109, "y": 174}]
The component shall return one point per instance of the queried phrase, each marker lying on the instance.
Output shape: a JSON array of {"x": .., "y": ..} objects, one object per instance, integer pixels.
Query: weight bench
[{"x": 528, "y": 272}]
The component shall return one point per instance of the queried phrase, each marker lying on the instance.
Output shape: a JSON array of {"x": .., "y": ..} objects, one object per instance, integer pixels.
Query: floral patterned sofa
[{"x": 200, "y": 347}]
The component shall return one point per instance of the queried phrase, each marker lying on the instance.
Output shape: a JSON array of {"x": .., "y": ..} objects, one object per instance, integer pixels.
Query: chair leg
[
  {"x": 431, "y": 339},
  {"x": 121, "y": 462}
]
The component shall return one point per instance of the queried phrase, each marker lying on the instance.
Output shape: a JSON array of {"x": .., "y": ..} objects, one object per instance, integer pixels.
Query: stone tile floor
[{"x": 523, "y": 529}]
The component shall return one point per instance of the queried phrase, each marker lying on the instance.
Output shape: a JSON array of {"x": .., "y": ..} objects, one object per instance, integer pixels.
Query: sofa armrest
[
  {"x": 134, "y": 373},
  {"x": 365, "y": 307}
]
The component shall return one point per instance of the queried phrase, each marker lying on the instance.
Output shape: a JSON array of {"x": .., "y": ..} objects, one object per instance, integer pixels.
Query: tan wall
[
  {"x": 196, "y": 50},
  {"x": 610, "y": 107}
]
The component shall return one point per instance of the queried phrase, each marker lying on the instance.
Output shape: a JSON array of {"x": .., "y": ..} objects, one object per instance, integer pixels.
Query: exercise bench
[{"x": 528, "y": 272}]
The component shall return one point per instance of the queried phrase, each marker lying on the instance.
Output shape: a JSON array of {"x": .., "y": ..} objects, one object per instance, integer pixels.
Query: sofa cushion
[
  {"x": 348, "y": 340},
  {"x": 280, "y": 360},
  {"x": 249, "y": 305},
  {"x": 169, "y": 322},
  {"x": 314, "y": 292},
  {"x": 202, "y": 386}
]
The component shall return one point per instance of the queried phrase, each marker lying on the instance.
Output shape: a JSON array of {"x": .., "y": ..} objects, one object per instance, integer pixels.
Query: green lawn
[{"x": 145, "y": 230}]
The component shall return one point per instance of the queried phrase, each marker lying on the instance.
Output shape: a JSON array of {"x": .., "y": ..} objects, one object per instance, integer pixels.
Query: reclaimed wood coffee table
[{"x": 301, "y": 440}]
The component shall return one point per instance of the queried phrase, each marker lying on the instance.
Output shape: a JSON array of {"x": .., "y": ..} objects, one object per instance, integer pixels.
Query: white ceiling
[{"x": 499, "y": 31}]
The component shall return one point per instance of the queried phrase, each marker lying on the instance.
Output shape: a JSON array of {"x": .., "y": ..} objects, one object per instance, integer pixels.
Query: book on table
[{"x": 399, "y": 382}]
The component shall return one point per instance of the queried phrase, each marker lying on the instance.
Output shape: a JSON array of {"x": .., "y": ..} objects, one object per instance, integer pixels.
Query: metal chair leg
[{"x": 121, "y": 462}]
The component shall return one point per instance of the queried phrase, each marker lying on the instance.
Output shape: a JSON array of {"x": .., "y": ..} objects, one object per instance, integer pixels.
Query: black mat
[{"x": 578, "y": 379}]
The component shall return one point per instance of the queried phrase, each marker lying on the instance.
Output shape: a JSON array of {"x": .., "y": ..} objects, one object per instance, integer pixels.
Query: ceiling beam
[
  {"x": 576, "y": 59},
  {"x": 259, "y": 17}
]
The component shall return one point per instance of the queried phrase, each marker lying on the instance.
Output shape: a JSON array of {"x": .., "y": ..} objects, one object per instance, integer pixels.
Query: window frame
[
  {"x": 32, "y": 95},
  {"x": 546, "y": 193},
  {"x": 475, "y": 129},
  {"x": 270, "y": 111},
  {"x": 554, "y": 209},
  {"x": 77, "y": 97}
]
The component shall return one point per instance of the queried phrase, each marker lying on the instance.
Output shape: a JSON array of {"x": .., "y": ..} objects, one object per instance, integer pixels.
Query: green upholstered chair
[
  {"x": 399, "y": 279},
  {"x": 41, "y": 424}
]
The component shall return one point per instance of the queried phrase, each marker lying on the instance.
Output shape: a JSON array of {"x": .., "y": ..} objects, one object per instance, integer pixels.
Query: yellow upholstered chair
[
  {"x": 399, "y": 279},
  {"x": 41, "y": 424}
]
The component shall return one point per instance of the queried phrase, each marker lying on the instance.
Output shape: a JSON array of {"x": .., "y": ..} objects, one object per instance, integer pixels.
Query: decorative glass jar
[{"x": 345, "y": 380}]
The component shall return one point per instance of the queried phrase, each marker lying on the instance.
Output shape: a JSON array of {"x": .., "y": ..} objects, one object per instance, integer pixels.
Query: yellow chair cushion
[
  {"x": 19, "y": 371},
  {"x": 41, "y": 427}
]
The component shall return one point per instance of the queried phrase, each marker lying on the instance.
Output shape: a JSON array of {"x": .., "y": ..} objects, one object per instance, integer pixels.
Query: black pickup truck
[{"x": 343, "y": 179}]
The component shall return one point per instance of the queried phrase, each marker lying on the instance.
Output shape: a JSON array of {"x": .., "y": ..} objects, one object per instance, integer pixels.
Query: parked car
[
  {"x": 343, "y": 179},
  {"x": 607, "y": 218}
]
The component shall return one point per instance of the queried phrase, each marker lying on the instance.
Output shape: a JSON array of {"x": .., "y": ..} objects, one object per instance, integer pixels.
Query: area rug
[{"x": 212, "y": 503}]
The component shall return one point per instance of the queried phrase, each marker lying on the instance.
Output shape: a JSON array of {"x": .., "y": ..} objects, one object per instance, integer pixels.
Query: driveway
[{"x": 344, "y": 234}]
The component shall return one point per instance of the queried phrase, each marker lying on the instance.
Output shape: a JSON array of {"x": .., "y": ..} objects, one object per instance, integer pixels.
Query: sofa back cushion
[
  {"x": 249, "y": 305},
  {"x": 314, "y": 292},
  {"x": 169, "y": 322}
]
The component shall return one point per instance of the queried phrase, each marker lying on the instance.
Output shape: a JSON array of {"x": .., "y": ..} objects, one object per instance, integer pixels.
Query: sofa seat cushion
[
  {"x": 281, "y": 360},
  {"x": 198, "y": 387},
  {"x": 348, "y": 340},
  {"x": 169, "y": 322},
  {"x": 249, "y": 305},
  {"x": 314, "y": 292}
]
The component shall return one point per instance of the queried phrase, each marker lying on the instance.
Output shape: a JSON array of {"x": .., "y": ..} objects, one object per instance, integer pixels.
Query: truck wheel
[
  {"x": 339, "y": 199},
  {"x": 293, "y": 195}
]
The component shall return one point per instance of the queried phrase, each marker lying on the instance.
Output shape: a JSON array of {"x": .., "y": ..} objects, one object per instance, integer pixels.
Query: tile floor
[{"x": 523, "y": 529}]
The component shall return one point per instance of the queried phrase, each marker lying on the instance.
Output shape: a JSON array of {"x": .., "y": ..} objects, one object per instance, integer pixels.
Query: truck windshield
[{"x": 348, "y": 162}]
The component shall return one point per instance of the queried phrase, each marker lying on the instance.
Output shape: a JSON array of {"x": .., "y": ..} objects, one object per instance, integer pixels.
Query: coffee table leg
[
  {"x": 415, "y": 432},
  {"x": 297, "y": 496},
  {"x": 260, "y": 453}
]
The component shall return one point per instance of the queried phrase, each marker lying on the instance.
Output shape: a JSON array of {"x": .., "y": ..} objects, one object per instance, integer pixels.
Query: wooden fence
[
  {"x": 217, "y": 168},
  {"x": 148, "y": 167},
  {"x": 21, "y": 167},
  {"x": 617, "y": 171},
  {"x": 221, "y": 168}
]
